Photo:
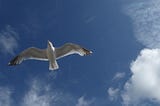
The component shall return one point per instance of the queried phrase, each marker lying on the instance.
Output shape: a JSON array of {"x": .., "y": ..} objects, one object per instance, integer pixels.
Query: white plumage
[{"x": 50, "y": 54}]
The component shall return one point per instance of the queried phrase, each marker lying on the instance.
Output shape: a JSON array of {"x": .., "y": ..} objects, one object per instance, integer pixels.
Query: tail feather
[{"x": 53, "y": 66}]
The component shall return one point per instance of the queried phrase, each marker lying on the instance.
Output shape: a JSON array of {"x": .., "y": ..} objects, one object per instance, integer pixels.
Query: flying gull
[{"x": 50, "y": 54}]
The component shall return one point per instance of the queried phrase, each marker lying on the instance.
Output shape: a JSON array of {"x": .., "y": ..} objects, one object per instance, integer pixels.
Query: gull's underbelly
[
  {"x": 52, "y": 59},
  {"x": 51, "y": 54}
]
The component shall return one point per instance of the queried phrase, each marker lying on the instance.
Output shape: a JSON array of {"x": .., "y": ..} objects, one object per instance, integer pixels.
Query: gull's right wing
[{"x": 30, "y": 53}]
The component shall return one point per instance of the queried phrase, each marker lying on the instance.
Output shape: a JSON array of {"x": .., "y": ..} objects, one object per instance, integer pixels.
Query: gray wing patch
[
  {"x": 30, "y": 53},
  {"x": 70, "y": 48}
]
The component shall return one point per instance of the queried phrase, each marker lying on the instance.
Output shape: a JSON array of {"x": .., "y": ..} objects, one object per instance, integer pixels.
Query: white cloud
[
  {"x": 113, "y": 93},
  {"x": 8, "y": 40},
  {"x": 38, "y": 95},
  {"x": 83, "y": 102},
  {"x": 5, "y": 96},
  {"x": 119, "y": 75},
  {"x": 145, "y": 15},
  {"x": 144, "y": 82},
  {"x": 42, "y": 94}
]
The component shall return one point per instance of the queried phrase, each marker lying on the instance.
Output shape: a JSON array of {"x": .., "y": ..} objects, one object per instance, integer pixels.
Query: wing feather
[
  {"x": 30, "y": 53},
  {"x": 70, "y": 48}
]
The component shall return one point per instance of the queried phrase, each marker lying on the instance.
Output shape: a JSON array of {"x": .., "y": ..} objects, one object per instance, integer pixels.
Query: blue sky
[{"x": 123, "y": 70}]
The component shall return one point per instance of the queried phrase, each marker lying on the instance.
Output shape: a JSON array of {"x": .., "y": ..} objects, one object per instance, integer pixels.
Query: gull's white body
[{"x": 50, "y": 54}]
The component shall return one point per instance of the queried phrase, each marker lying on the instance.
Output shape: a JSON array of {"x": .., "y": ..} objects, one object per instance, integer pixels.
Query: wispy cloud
[
  {"x": 146, "y": 20},
  {"x": 5, "y": 96},
  {"x": 113, "y": 93},
  {"x": 38, "y": 95},
  {"x": 89, "y": 19},
  {"x": 144, "y": 83},
  {"x": 119, "y": 75},
  {"x": 42, "y": 94},
  {"x": 8, "y": 40},
  {"x": 83, "y": 102}
]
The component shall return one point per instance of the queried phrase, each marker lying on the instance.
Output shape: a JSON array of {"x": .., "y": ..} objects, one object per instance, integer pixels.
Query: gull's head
[{"x": 50, "y": 44}]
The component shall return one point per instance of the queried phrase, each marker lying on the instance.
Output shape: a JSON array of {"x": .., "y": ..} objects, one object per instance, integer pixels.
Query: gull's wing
[
  {"x": 70, "y": 48},
  {"x": 30, "y": 53}
]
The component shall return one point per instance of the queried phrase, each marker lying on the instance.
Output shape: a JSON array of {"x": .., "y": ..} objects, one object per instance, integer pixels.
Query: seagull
[{"x": 50, "y": 54}]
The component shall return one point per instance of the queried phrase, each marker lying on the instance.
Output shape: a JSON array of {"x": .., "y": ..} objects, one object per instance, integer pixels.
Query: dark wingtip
[
  {"x": 13, "y": 61},
  {"x": 87, "y": 52},
  {"x": 9, "y": 64}
]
